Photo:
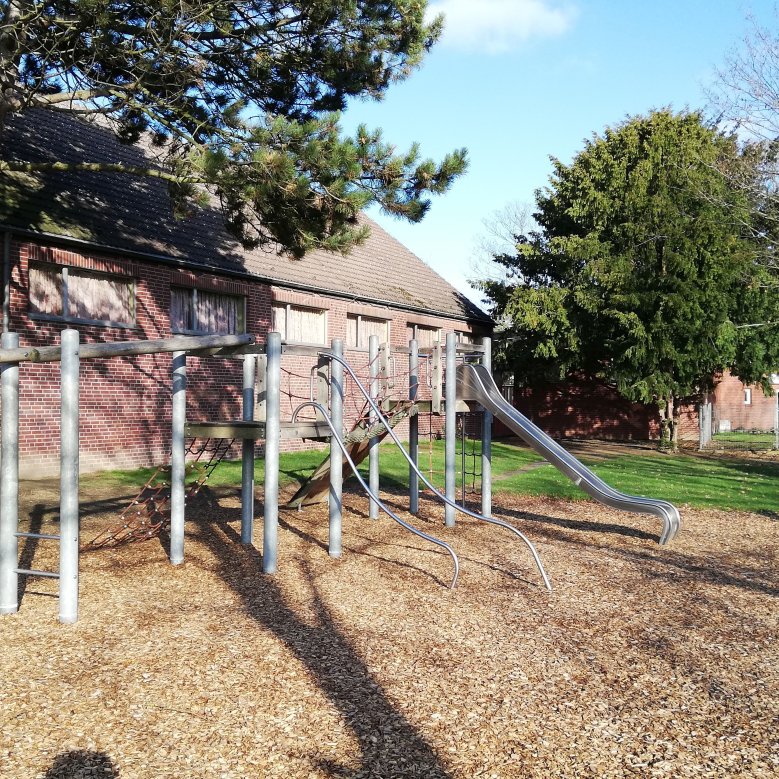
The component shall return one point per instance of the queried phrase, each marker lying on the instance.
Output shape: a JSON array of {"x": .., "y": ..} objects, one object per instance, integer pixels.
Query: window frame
[
  {"x": 747, "y": 396},
  {"x": 193, "y": 303},
  {"x": 356, "y": 347},
  {"x": 64, "y": 274},
  {"x": 287, "y": 308}
]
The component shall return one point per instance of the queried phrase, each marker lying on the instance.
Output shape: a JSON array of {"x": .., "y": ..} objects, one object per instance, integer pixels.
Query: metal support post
[
  {"x": 247, "y": 453},
  {"x": 336, "y": 458},
  {"x": 373, "y": 444},
  {"x": 486, "y": 439},
  {"x": 450, "y": 443},
  {"x": 322, "y": 385},
  {"x": 413, "y": 427},
  {"x": 262, "y": 372},
  {"x": 69, "y": 518},
  {"x": 776, "y": 422},
  {"x": 9, "y": 482},
  {"x": 178, "y": 457},
  {"x": 270, "y": 535},
  {"x": 436, "y": 380}
]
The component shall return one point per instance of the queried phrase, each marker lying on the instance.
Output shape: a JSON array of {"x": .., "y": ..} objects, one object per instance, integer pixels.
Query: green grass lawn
[
  {"x": 728, "y": 483},
  {"x": 744, "y": 440}
]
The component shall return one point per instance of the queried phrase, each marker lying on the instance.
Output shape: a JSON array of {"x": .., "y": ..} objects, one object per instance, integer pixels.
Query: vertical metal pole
[
  {"x": 413, "y": 427},
  {"x": 701, "y": 426},
  {"x": 262, "y": 372},
  {"x": 178, "y": 457},
  {"x": 336, "y": 458},
  {"x": 463, "y": 441},
  {"x": 437, "y": 379},
  {"x": 69, "y": 519},
  {"x": 270, "y": 534},
  {"x": 9, "y": 482},
  {"x": 247, "y": 453},
  {"x": 373, "y": 444},
  {"x": 450, "y": 429},
  {"x": 486, "y": 440},
  {"x": 776, "y": 422}
]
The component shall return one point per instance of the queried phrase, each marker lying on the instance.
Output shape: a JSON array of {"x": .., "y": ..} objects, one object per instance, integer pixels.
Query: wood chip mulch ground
[{"x": 645, "y": 661}]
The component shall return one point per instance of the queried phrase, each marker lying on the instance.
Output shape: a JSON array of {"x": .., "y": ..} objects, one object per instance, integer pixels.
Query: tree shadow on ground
[
  {"x": 579, "y": 524},
  {"x": 82, "y": 764},
  {"x": 389, "y": 745}
]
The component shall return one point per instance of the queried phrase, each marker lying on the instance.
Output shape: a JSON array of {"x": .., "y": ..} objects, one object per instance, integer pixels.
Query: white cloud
[{"x": 500, "y": 25}]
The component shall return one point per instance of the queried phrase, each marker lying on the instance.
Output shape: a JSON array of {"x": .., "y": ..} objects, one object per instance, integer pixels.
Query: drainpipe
[{"x": 6, "y": 280}]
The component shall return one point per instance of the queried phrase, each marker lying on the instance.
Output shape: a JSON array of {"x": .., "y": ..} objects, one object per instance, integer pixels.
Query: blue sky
[{"x": 515, "y": 81}]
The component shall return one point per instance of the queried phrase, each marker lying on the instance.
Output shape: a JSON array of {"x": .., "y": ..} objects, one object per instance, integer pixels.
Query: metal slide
[
  {"x": 474, "y": 382},
  {"x": 440, "y": 495}
]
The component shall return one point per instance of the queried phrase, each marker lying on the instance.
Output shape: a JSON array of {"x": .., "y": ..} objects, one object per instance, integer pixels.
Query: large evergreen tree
[
  {"x": 243, "y": 98},
  {"x": 640, "y": 273}
]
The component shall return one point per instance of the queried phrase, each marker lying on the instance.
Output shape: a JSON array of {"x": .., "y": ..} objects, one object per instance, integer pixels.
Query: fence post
[
  {"x": 486, "y": 439},
  {"x": 270, "y": 528},
  {"x": 450, "y": 428},
  {"x": 776, "y": 421},
  {"x": 373, "y": 443},
  {"x": 247, "y": 453},
  {"x": 336, "y": 457},
  {"x": 178, "y": 457},
  {"x": 69, "y": 513},
  {"x": 9, "y": 482},
  {"x": 413, "y": 427}
]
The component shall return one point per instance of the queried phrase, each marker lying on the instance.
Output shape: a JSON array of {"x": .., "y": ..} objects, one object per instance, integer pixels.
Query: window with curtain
[
  {"x": 300, "y": 325},
  {"x": 62, "y": 292},
  {"x": 205, "y": 312},
  {"x": 360, "y": 328}
]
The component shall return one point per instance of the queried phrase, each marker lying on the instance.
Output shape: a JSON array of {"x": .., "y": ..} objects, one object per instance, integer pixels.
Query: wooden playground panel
[{"x": 645, "y": 661}]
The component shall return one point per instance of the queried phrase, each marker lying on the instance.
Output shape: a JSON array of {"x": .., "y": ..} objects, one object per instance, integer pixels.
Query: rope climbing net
[{"x": 147, "y": 513}]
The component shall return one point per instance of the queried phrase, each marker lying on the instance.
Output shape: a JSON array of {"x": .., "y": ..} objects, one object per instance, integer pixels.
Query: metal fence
[{"x": 736, "y": 427}]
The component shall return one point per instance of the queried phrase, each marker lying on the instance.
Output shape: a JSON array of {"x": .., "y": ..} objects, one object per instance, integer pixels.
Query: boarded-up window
[
  {"x": 300, "y": 325},
  {"x": 73, "y": 293},
  {"x": 360, "y": 328},
  {"x": 463, "y": 338},
  {"x": 199, "y": 311},
  {"x": 426, "y": 337}
]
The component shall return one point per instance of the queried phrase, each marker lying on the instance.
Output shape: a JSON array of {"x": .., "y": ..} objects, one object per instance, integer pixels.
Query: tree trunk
[{"x": 669, "y": 424}]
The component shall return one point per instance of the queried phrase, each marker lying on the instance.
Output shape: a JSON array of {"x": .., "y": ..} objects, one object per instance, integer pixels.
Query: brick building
[
  {"x": 588, "y": 409},
  {"x": 104, "y": 254}
]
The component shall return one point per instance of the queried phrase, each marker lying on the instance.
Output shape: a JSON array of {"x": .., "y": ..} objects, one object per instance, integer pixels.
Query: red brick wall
[
  {"x": 585, "y": 410},
  {"x": 728, "y": 404},
  {"x": 126, "y": 402}
]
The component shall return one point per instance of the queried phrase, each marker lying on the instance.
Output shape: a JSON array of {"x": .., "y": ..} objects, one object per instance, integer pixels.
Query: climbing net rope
[{"x": 147, "y": 513}]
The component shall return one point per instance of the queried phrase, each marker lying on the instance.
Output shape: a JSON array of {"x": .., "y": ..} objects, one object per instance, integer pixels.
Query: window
[
  {"x": 300, "y": 325},
  {"x": 463, "y": 338},
  {"x": 360, "y": 328},
  {"x": 198, "y": 311},
  {"x": 426, "y": 337},
  {"x": 748, "y": 396},
  {"x": 60, "y": 292}
]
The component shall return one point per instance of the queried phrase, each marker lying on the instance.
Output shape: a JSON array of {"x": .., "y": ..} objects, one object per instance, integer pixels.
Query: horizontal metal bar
[
  {"x": 32, "y": 572},
  {"x": 41, "y": 536},
  {"x": 183, "y": 343}
]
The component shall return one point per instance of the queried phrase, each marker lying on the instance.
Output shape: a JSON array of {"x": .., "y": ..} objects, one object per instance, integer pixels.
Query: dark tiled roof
[{"x": 134, "y": 214}]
